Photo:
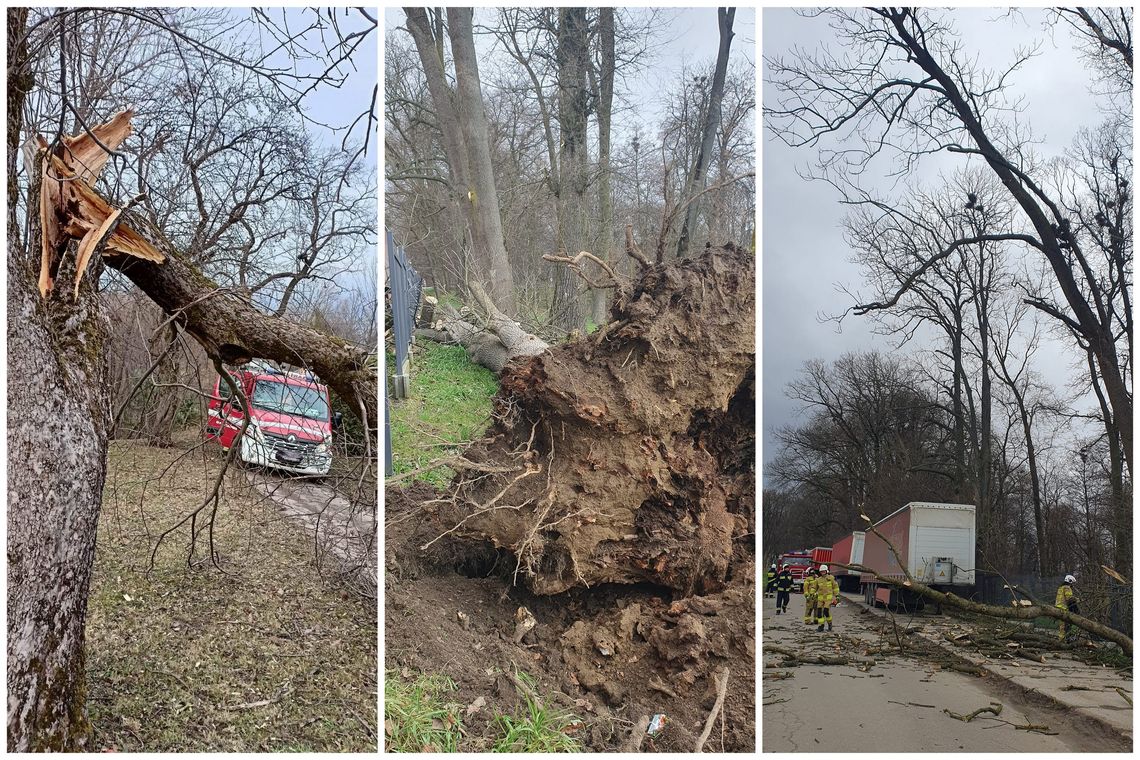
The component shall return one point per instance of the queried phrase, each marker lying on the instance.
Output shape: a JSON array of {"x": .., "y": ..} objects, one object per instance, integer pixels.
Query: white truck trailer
[{"x": 935, "y": 540}]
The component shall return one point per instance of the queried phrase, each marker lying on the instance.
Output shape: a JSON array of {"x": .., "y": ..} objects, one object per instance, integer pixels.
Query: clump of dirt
[
  {"x": 627, "y": 456},
  {"x": 609, "y": 655}
]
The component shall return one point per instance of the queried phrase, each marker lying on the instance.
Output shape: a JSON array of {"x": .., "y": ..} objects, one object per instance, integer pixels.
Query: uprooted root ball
[{"x": 627, "y": 456}]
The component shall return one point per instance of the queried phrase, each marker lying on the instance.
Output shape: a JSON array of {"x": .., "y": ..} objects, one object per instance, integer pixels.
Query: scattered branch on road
[{"x": 994, "y": 707}]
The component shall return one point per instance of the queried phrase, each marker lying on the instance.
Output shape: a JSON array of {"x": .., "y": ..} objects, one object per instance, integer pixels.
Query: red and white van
[{"x": 291, "y": 423}]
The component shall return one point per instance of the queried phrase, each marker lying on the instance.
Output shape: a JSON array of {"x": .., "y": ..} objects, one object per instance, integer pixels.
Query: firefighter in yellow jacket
[
  {"x": 826, "y": 597},
  {"x": 809, "y": 596},
  {"x": 1066, "y": 600}
]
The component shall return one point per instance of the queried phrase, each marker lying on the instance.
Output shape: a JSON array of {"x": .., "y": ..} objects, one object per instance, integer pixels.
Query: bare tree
[
  {"x": 696, "y": 180},
  {"x": 899, "y": 85}
]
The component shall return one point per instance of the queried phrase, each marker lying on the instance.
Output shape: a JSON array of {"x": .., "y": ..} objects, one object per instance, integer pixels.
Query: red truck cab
[
  {"x": 797, "y": 564},
  {"x": 290, "y": 421}
]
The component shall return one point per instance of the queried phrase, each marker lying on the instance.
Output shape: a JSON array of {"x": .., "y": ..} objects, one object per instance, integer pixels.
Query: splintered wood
[{"x": 71, "y": 209}]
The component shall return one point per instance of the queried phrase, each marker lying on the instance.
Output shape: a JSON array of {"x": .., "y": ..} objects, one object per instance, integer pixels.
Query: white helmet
[
  {"x": 1070, "y": 579},
  {"x": 823, "y": 568}
]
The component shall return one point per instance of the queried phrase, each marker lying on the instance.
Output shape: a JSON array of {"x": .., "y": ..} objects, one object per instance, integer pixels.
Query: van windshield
[{"x": 301, "y": 400}]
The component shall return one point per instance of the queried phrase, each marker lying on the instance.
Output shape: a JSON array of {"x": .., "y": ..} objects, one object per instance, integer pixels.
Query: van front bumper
[{"x": 268, "y": 454}]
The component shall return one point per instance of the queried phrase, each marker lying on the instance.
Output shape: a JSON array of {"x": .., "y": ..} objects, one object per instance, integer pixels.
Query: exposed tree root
[{"x": 627, "y": 456}]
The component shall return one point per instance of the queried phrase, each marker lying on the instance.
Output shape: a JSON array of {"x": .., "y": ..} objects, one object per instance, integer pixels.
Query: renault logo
[{"x": 292, "y": 438}]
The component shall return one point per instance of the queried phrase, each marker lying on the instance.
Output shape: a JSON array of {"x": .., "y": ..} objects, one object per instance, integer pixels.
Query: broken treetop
[{"x": 70, "y": 208}]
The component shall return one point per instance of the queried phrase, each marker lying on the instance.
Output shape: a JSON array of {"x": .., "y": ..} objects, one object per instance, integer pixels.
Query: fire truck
[
  {"x": 797, "y": 564},
  {"x": 290, "y": 423}
]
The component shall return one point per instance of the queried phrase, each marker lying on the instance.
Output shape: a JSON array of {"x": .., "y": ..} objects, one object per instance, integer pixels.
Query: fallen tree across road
[{"x": 1029, "y": 612}]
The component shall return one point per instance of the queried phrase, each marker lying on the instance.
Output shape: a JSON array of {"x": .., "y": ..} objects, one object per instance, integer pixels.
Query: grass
[
  {"x": 265, "y": 656},
  {"x": 449, "y": 403},
  {"x": 416, "y": 716},
  {"x": 536, "y": 728}
]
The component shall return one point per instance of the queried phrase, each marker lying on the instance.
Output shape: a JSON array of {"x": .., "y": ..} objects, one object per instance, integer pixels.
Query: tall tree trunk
[
  {"x": 1120, "y": 508},
  {"x": 573, "y": 206},
  {"x": 696, "y": 181},
  {"x": 466, "y": 143},
  {"x": 57, "y": 444},
  {"x": 605, "y": 188},
  {"x": 482, "y": 196}
]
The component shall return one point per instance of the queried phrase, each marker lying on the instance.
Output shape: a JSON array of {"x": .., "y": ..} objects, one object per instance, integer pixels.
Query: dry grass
[{"x": 266, "y": 656}]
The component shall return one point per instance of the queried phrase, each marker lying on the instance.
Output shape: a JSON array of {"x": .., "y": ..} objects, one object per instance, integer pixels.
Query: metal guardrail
[{"x": 404, "y": 288}]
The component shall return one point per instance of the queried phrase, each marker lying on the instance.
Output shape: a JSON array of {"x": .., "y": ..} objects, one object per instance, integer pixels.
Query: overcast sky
[{"x": 804, "y": 256}]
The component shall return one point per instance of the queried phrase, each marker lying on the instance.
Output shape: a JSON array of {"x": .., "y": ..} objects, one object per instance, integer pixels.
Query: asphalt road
[{"x": 894, "y": 705}]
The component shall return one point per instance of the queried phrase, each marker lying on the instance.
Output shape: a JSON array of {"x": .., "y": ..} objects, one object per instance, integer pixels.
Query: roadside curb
[{"x": 1068, "y": 701}]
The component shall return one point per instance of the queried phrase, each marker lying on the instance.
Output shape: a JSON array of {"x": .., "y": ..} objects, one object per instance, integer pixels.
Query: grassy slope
[
  {"x": 449, "y": 402},
  {"x": 268, "y": 657}
]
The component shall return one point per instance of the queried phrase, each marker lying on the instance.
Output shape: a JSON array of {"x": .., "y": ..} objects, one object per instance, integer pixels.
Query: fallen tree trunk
[
  {"x": 628, "y": 454},
  {"x": 494, "y": 344},
  {"x": 1010, "y": 613}
]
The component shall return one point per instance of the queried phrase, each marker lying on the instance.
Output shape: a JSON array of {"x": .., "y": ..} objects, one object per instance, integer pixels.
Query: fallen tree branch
[
  {"x": 994, "y": 708},
  {"x": 1012, "y": 613},
  {"x": 633, "y": 744}
]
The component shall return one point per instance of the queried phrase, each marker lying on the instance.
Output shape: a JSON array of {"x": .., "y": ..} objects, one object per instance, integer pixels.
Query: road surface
[
  {"x": 345, "y": 533},
  {"x": 895, "y": 703}
]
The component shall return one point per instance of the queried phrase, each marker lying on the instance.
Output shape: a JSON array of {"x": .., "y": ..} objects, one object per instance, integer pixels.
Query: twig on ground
[
  {"x": 994, "y": 708},
  {"x": 721, "y": 689},
  {"x": 633, "y": 744}
]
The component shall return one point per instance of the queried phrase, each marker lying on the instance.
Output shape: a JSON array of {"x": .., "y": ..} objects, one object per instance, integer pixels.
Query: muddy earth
[{"x": 612, "y": 655}]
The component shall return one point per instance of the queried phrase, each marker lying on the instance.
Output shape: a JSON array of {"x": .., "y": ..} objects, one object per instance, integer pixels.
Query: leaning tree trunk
[
  {"x": 627, "y": 456},
  {"x": 57, "y": 432}
]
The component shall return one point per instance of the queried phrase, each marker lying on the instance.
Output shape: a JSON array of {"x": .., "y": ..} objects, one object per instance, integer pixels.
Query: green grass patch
[
  {"x": 417, "y": 717},
  {"x": 449, "y": 403},
  {"x": 536, "y": 728}
]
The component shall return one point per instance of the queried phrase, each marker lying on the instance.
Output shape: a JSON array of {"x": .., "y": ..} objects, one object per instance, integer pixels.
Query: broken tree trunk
[
  {"x": 61, "y": 410},
  {"x": 493, "y": 345},
  {"x": 627, "y": 456}
]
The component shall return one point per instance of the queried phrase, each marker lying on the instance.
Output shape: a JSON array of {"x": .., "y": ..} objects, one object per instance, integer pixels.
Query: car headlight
[
  {"x": 323, "y": 448},
  {"x": 255, "y": 431}
]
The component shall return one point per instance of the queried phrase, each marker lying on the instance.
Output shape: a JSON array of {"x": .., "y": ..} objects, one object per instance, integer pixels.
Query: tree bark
[
  {"x": 573, "y": 209},
  {"x": 606, "y": 33},
  {"x": 57, "y": 443},
  {"x": 482, "y": 196},
  {"x": 697, "y": 178},
  {"x": 493, "y": 346}
]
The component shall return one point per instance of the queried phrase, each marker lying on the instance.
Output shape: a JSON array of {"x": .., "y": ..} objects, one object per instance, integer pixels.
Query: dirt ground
[
  {"x": 610, "y": 655},
  {"x": 263, "y": 654}
]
